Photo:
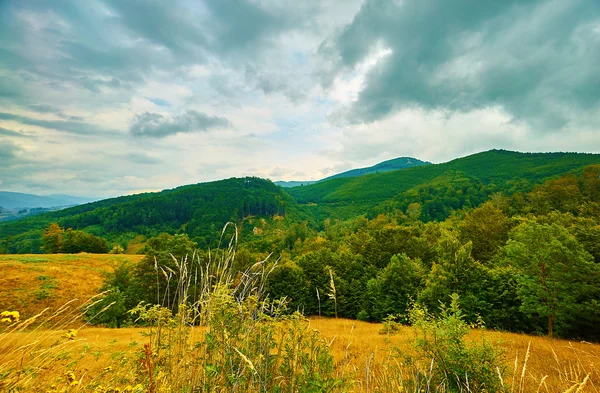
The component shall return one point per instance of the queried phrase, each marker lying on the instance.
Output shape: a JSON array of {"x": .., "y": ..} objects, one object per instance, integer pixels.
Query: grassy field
[
  {"x": 358, "y": 348},
  {"x": 30, "y": 283},
  {"x": 100, "y": 359}
]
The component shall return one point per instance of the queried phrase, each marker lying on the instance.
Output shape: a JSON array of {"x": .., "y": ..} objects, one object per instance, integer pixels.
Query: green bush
[{"x": 458, "y": 364}]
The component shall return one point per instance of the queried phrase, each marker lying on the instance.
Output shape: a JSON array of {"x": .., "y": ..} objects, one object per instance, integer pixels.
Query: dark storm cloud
[
  {"x": 155, "y": 125},
  {"x": 68, "y": 126},
  {"x": 109, "y": 43},
  {"x": 536, "y": 59}
]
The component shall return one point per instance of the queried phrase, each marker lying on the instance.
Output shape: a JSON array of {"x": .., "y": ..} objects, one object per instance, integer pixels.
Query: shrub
[{"x": 458, "y": 364}]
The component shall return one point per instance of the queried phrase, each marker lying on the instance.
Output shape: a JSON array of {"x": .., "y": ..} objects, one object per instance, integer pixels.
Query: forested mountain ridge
[
  {"x": 495, "y": 170},
  {"x": 514, "y": 235},
  {"x": 199, "y": 210}
]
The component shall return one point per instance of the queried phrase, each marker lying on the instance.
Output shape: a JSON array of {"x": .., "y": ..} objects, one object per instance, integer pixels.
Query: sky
[{"x": 109, "y": 97}]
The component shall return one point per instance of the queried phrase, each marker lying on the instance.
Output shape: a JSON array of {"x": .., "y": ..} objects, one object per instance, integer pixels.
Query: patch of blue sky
[{"x": 159, "y": 102}]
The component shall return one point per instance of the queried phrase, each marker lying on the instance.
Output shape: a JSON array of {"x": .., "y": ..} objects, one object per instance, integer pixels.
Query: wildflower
[
  {"x": 71, "y": 378},
  {"x": 70, "y": 334},
  {"x": 9, "y": 316}
]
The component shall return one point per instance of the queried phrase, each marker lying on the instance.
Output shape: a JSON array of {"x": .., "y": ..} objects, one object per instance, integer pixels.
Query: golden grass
[
  {"x": 552, "y": 366},
  {"x": 30, "y": 283},
  {"x": 560, "y": 363}
]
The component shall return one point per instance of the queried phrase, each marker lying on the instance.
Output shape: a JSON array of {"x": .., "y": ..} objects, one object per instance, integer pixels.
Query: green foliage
[
  {"x": 454, "y": 272},
  {"x": 486, "y": 227},
  {"x": 248, "y": 343},
  {"x": 556, "y": 273},
  {"x": 458, "y": 364},
  {"x": 391, "y": 291},
  {"x": 111, "y": 310},
  {"x": 156, "y": 275},
  {"x": 288, "y": 281},
  {"x": 56, "y": 240},
  {"x": 372, "y": 240},
  {"x": 391, "y": 325},
  {"x": 47, "y": 285},
  {"x": 497, "y": 170}
]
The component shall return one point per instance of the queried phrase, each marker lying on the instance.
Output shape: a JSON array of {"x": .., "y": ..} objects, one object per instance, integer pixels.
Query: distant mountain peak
[{"x": 384, "y": 166}]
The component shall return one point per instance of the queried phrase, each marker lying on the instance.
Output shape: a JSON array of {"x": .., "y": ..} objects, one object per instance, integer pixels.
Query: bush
[{"x": 458, "y": 364}]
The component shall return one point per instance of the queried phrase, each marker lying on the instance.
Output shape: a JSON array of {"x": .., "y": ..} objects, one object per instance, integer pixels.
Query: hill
[
  {"x": 17, "y": 200},
  {"x": 200, "y": 210},
  {"x": 487, "y": 173},
  {"x": 385, "y": 166}
]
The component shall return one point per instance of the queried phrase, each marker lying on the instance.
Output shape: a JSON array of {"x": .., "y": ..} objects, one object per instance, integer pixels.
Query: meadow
[
  {"x": 239, "y": 343},
  {"x": 32, "y": 282}
]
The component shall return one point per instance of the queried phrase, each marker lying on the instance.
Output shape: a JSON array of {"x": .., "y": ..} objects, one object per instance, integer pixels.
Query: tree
[
  {"x": 391, "y": 291},
  {"x": 556, "y": 272},
  {"x": 157, "y": 274},
  {"x": 52, "y": 239},
  {"x": 455, "y": 271},
  {"x": 288, "y": 281},
  {"x": 487, "y": 227}
]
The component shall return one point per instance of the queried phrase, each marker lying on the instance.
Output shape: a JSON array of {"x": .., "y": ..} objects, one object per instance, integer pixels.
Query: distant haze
[{"x": 14, "y": 200}]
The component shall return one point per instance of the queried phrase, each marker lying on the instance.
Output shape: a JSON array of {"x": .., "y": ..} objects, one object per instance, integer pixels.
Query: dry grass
[
  {"x": 357, "y": 345},
  {"x": 30, "y": 283},
  {"x": 559, "y": 363}
]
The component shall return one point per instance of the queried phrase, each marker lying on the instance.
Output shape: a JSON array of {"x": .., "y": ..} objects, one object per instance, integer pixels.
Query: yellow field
[
  {"x": 30, "y": 283},
  {"x": 358, "y": 347},
  {"x": 562, "y": 362}
]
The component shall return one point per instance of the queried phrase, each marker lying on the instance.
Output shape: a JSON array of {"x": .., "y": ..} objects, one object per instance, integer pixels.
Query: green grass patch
[
  {"x": 47, "y": 286},
  {"x": 31, "y": 259}
]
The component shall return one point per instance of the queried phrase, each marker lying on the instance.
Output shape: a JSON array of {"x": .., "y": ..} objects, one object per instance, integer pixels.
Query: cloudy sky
[{"x": 110, "y": 97}]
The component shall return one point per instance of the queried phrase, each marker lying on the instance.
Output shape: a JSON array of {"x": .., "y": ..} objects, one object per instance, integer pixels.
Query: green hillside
[
  {"x": 496, "y": 170},
  {"x": 198, "y": 210}
]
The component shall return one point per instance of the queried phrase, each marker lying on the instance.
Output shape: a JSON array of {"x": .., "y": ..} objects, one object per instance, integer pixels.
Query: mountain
[
  {"x": 385, "y": 166},
  {"x": 17, "y": 200},
  {"x": 200, "y": 210},
  {"x": 496, "y": 170}
]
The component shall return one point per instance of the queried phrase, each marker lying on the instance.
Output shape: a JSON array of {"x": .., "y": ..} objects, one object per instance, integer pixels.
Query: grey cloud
[
  {"x": 6, "y": 132},
  {"x": 142, "y": 159},
  {"x": 68, "y": 126},
  {"x": 536, "y": 59},
  {"x": 155, "y": 125},
  {"x": 8, "y": 152},
  {"x": 42, "y": 108}
]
